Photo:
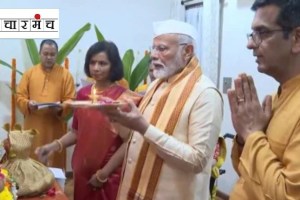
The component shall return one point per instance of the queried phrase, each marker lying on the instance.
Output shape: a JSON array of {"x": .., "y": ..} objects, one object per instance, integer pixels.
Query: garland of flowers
[
  {"x": 13, "y": 92},
  {"x": 8, "y": 188}
]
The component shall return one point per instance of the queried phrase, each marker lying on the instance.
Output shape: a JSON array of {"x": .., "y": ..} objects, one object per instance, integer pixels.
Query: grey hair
[{"x": 188, "y": 40}]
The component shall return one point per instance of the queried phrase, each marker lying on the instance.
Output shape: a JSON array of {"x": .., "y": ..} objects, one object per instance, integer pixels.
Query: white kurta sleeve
[{"x": 204, "y": 125}]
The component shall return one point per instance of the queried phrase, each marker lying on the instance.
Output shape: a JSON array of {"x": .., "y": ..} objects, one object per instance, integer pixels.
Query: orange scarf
[{"x": 164, "y": 117}]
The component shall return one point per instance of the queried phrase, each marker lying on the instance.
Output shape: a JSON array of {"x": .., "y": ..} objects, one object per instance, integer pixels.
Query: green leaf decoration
[
  {"x": 33, "y": 51},
  {"x": 139, "y": 73},
  {"x": 71, "y": 43},
  {"x": 99, "y": 35},
  {"x": 9, "y": 66},
  {"x": 128, "y": 60}
]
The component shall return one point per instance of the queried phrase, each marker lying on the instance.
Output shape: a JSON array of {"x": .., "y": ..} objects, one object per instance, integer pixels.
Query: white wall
[
  {"x": 235, "y": 59},
  {"x": 128, "y": 23}
]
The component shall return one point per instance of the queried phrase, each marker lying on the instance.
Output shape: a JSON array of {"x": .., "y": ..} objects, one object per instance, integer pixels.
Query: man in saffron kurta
[
  {"x": 46, "y": 82},
  {"x": 266, "y": 150},
  {"x": 177, "y": 125}
]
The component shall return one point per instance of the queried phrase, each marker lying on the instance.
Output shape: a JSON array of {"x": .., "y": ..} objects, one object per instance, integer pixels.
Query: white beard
[
  {"x": 166, "y": 72},
  {"x": 169, "y": 69},
  {"x": 162, "y": 73}
]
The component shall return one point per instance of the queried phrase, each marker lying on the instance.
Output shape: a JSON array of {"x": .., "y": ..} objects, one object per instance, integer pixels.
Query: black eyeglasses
[
  {"x": 258, "y": 36},
  {"x": 162, "y": 48}
]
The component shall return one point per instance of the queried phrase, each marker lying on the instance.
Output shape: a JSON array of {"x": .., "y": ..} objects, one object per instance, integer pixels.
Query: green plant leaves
[
  {"x": 99, "y": 35},
  {"x": 33, "y": 51},
  {"x": 128, "y": 60},
  {"x": 139, "y": 73},
  {"x": 132, "y": 77},
  {"x": 63, "y": 52},
  {"x": 71, "y": 43},
  {"x": 9, "y": 66}
]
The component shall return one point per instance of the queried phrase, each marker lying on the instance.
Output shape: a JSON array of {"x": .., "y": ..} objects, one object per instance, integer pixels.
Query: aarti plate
[{"x": 90, "y": 104}]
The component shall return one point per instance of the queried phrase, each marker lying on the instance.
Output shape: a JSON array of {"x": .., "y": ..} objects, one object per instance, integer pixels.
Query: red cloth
[{"x": 96, "y": 143}]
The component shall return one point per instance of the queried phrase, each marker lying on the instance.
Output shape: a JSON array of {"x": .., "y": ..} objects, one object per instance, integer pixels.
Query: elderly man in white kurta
[{"x": 176, "y": 126}]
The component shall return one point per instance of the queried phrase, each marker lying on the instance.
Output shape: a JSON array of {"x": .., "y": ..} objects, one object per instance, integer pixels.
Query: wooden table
[{"x": 60, "y": 195}]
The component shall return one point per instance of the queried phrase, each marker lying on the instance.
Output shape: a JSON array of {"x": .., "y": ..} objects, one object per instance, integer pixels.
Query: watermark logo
[{"x": 29, "y": 23}]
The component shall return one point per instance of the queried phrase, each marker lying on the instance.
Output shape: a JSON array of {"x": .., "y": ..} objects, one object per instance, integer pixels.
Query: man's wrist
[{"x": 143, "y": 127}]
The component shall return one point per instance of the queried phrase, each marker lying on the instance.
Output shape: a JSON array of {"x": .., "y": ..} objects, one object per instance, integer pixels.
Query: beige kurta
[
  {"x": 187, "y": 154},
  {"x": 41, "y": 86},
  {"x": 269, "y": 165}
]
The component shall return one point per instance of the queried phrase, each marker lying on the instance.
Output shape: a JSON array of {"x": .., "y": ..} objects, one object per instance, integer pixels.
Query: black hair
[
  {"x": 50, "y": 42},
  {"x": 289, "y": 14},
  {"x": 112, "y": 52}
]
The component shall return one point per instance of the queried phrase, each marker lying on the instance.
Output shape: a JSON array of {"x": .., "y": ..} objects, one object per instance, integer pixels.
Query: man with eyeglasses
[
  {"x": 176, "y": 126},
  {"x": 266, "y": 150}
]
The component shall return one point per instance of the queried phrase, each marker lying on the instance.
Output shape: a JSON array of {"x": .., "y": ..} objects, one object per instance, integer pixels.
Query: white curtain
[
  {"x": 206, "y": 18},
  {"x": 193, "y": 15},
  {"x": 211, "y": 39},
  {"x": 177, "y": 10}
]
